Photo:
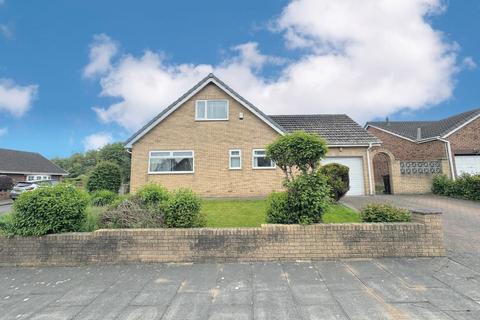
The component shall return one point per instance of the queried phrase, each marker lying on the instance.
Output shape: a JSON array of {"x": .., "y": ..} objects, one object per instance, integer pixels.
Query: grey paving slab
[
  {"x": 277, "y": 305},
  {"x": 160, "y": 297},
  {"x": 337, "y": 276},
  {"x": 269, "y": 276},
  {"x": 391, "y": 289},
  {"x": 201, "y": 278},
  {"x": 56, "y": 313},
  {"x": 27, "y": 307},
  {"x": 107, "y": 306},
  {"x": 365, "y": 269},
  {"x": 363, "y": 304},
  {"x": 326, "y": 311},
  {"x": 419, "y": 311},
  {"x": 230, "y": 312},
  {"x": 141, "y": 313},
  {"x": 189, "y": 306},
  {"x": 464, "y": 315},
  {"x": 449, "y": 300}
]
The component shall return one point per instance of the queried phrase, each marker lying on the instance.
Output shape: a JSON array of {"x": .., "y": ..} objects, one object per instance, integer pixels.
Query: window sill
[
  {"x": 264, "y": 168},
  {"x": 208, "y": 120},
  {"x": 177, "y": 172}
]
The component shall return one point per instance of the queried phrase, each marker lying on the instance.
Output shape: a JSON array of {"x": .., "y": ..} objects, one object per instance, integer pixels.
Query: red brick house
[{"x": 412, "y": 152}]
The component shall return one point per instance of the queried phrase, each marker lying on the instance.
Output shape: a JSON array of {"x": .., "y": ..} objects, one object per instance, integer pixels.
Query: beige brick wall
[
  {"x": 411, "y": 184},
  {"x": 211, "y": 142},
  {"x": 422, "y": 237}
]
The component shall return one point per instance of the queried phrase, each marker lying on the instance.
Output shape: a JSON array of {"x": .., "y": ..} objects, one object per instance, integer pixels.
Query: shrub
[
  {"x": 384, "y": 213},
  {"x": 307, "y": 197},
  {"x": 103, "y": 198},
  {"x": 337, "y": 179},
  {"x": 182, "y": 210},
  {"x": 297, "y": 151},
  {"x": 464, "y": 187},
  {"x": 152, "y": 194},
  {"x": 6, "y": 183},
  {"x": 277, "y": 208},
  {"x": 130, "y": 213},
  {"x": 56, "y": 209},
  {"x": 105, "y": 176}
]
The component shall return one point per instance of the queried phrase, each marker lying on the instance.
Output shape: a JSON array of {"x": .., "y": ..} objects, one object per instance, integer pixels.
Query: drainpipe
[
  {"x": 369, "y": 166},
  {"x": 449, "y": 157}
]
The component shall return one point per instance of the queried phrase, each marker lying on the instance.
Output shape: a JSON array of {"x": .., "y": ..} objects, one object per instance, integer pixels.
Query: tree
[
  {"x": 297, "y": 152},
  {"x": 116, "y": 153},
  {"x": 105, "y": 176},
  {"x": 6, "y": 183},
  {"x": 337, "y": 179}
]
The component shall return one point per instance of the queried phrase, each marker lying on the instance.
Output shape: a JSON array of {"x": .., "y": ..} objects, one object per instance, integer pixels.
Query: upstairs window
[
  {"x": 260, "y": 160},
  {"x": 235, "y": 159},
  {"x": 211, "y": 110},
  {"x": 171, "y": 162}
]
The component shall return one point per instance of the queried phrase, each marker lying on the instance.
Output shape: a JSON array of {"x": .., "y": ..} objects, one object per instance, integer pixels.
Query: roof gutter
[{"x": 449, "y": 157}]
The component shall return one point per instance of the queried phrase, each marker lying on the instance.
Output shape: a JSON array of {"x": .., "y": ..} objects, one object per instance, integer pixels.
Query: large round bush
[
  {"x": 152, "y": 194},
  {"x": 307, "y": 198},
  {"x": 337, "y": 179},
  {"x": 105, "y": 176},
  {"x": 56, "y": 209},
  {"x": 182, "y": 210},
  {"x": 6, "y": 183}
]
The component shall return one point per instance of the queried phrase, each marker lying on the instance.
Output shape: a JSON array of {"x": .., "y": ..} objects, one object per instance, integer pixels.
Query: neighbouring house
[
  {"x": 212, "y": 140},
  {"x": 28, "y": 166},
  {"x": 412, "y": 152}
]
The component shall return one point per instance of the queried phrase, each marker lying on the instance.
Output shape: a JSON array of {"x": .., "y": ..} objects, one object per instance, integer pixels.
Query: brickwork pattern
[
  {"x": 467, "y": 139},
  {"x": 421, "y": 237},
  {"x": 211, "y": 142}
]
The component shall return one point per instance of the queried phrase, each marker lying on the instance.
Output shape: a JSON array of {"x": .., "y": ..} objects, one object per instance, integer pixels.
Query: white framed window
[
  {"x": 38, "y": 178},
  {"x": 235, "y": 159},
  {"x": 260, "y": 160},
  {"x": 211, "y": 110},
  {"x": 171, "y": 162}
]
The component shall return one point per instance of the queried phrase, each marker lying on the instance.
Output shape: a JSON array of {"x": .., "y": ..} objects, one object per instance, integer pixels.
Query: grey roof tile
[
  {"x": 429, "y": 129},
  {"x": 336, "y": 129},
  {"x": 23, "y": 161}
]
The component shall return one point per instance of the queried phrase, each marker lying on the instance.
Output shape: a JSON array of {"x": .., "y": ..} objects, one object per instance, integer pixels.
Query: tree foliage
[
  {"x": 337, "y": 179},
  {"x": 297, "y": 152},
  {"x": 81, "y": 164},
  {"x": 6, "y": 183},
  {"x": 105, "y": 176}
]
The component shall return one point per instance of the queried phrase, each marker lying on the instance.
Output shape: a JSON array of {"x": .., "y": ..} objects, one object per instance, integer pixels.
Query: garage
[
  {"x": 467, "y": 164},
  {"x": 355, "y": 164}
]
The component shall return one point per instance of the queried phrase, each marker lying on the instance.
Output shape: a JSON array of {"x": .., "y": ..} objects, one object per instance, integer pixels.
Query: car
[{"x": 24, "y": 186}]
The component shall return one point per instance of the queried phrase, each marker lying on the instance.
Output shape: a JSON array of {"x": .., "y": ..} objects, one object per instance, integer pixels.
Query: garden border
[{"x": 423, "y": 237}]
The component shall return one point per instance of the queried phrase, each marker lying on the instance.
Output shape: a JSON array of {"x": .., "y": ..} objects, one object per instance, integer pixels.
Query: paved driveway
[{"x": 461, "y": 218}]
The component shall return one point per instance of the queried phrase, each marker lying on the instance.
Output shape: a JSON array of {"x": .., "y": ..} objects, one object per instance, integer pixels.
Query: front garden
[{"x": 311, "y": 196}]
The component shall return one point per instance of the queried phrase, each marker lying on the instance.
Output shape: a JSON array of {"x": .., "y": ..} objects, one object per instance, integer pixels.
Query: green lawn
[{"x": 251, "y": 213}]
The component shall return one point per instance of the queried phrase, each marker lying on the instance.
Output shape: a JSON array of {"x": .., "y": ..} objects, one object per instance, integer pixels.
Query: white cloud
[
  {"x": 3, "y": 131},
  {"x": 102, "y": 50},
  {"x": 97, "y": 140},
  {"x": 16, "y": 99},
  {"x": 365, "y": 58},
  {"x": 469, "y": 64},
  {"x": 6, "y": 31}
]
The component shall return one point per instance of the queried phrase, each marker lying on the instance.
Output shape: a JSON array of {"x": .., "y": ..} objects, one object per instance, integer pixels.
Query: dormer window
[{"x": 211, "y": 110}]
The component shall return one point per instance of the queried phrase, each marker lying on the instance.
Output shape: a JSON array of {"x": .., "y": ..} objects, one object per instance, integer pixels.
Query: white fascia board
[{"x": 461, "y": 126}]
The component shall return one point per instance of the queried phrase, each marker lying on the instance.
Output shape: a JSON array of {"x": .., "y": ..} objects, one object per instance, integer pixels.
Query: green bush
[
  {"x": 152, "y": 194},
  {"x": 384, "y": 212},
  {"x": 105, "y": 176},
  {"x": 103, "y": 198},
  {"x": 464, "y": 187},
  {"x": 277, "y": 208},
  {"x": 56, "y": 209},
  {"x": 307, "y": 198},
  {"x": 337, "y": 179},
  {"x": 182, "y": 210},
  {"x": 6, "y": 183}
]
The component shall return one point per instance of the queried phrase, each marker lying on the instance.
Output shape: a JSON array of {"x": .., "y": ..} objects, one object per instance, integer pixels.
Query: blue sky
[{"x": 62, "y": 60}]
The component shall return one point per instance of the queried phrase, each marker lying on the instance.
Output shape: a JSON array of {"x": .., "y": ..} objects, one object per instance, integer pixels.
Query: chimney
[{"x": 419, "y": 133}]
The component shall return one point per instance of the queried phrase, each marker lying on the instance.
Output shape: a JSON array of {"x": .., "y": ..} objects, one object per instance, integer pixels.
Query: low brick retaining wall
[{"x": 421, "y": 237}]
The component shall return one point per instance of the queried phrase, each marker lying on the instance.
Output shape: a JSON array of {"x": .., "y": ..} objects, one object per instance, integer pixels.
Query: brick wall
[
  {"x": 422, "y": 237},
  {"x": 467, "y": 139}
]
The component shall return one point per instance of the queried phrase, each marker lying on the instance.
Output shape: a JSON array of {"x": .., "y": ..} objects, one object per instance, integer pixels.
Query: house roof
[
  {"x": 427, "y": 129},
  {"x": 13, "y": 161},
  {"x": 336, "y": 129}
]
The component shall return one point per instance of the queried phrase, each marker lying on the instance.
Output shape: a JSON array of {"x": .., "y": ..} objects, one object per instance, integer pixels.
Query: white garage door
[
  {"x": 355, "y": 164},
  {"x": 467, "y": 164}
]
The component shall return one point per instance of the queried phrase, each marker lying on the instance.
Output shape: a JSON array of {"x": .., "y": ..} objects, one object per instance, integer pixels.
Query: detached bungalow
[
  {"x": 213, "y": 140},
  {"x": 28, "y": 166},
  {"x": 412, "y": 152}
]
